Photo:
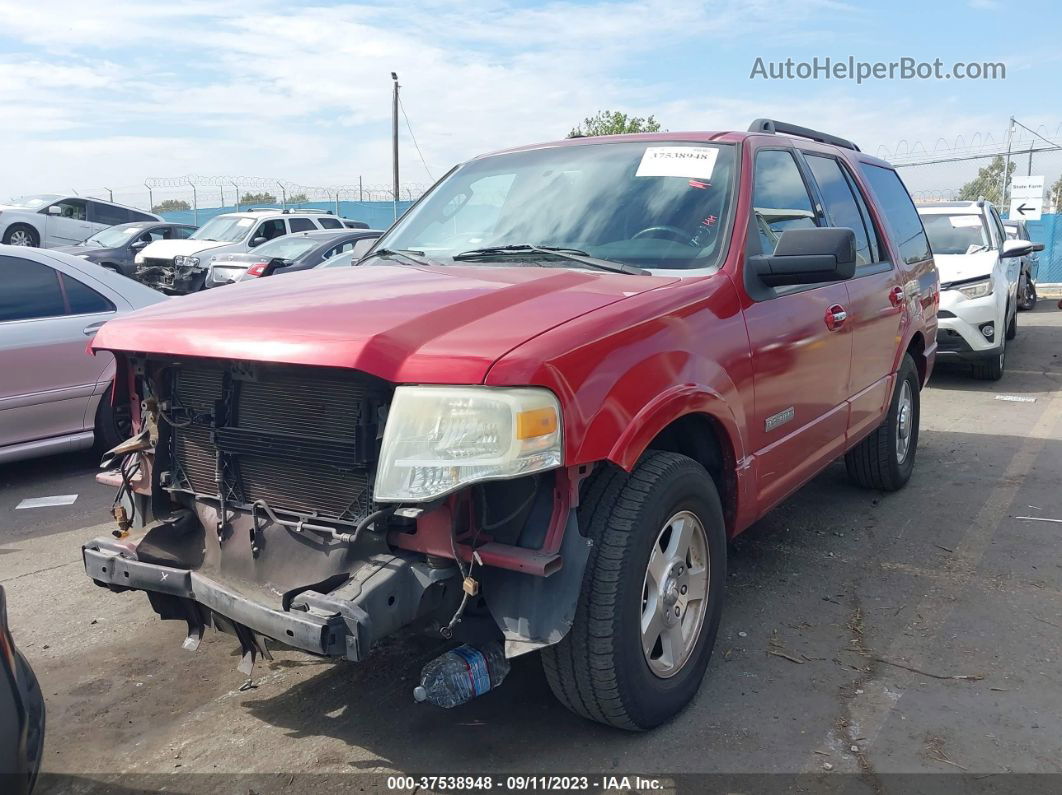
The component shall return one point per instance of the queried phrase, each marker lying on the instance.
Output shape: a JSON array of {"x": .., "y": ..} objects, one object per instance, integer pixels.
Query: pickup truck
[{"x": 535, "y": 412}]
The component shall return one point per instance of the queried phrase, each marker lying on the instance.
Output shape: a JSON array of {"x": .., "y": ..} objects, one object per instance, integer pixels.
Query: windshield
[
  {"x": 114, "y": 236},
  {"x": 956, "y": 234},
  {"x": 224, "y": 229},
  {"x": 35, "y": 202},
  {"x": 290, "y": 247},
  {"x": 663, "y": 205}
]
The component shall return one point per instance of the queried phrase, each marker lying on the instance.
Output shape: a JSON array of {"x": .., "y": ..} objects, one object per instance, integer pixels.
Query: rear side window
[
  {"x": 900, "y": 213},
  {"x": 135, "y": 215},
  {"x": 31, "y": 290},
  {"x": 330, "y": 223},
  {"x": 83, "y": 300},
  {"x": 301, "y": 225},
  {"x": 780, "y": 199},
  {"x": 840, "y": 203},
  {"x": 109, "y": 214}
]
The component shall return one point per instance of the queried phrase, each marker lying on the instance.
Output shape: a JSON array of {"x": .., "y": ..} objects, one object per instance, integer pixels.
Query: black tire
[
  {"x": 15, "y": 231},
  {"x": 992, "y": 370},
  {"x": 112, "y": 423},
  {"x": 599, "y": 670},
  {"x": 1026, "y": 293},
  {"x": 874, "y": 462},
  {"x": 1012, "y": 326}
]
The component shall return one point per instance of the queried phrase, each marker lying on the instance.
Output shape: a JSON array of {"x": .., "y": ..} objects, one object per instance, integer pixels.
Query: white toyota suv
[
  {"x": 185, "y": 266},
  {"x": 978, "y": 269}
]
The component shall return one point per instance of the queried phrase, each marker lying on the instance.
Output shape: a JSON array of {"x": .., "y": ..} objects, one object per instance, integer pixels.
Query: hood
[
  {"x": 168, "y": 249},
  {"x": 401, "y": 323},
  {"x": 959, "y": 267},
  {"x": 92, "y": 252}
]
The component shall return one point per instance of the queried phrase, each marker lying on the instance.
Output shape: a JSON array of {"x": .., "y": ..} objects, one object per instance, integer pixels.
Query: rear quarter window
[
  {"x": 330, "y": 223},
  {"x": 901, "y": 217}
]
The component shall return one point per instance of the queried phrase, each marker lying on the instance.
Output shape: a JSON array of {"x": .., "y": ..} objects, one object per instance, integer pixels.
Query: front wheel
[
  {"x": 652, "y": 594},
  {"x": 885, "y": 459},
  {"x": 22, "y": 235}
]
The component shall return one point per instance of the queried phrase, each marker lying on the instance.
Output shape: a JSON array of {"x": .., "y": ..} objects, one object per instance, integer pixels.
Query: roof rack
[
  {"x": 288, "y": 210},
  {"x": 773, "y": 126}
]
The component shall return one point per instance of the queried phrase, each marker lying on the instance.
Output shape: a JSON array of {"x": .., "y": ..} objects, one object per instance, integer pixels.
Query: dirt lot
[{"x": 864, "y": 633}]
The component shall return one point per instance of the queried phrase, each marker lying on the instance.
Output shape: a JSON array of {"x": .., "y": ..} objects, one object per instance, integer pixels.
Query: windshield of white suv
[
  {"x": 224, "y": 229},
  {"x": 289, "y": 247},
  {"x": 114, "y": 236},
  {"x": 652, "y": 205},
  {"x": 956, "y": 234},
  {"x": 35, "y": 202}
]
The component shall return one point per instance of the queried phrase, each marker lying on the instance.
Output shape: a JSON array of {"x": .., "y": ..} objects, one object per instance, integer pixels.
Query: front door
[
  {"x": 800, "y": 342},
  {"x": 66, "y": 223}
]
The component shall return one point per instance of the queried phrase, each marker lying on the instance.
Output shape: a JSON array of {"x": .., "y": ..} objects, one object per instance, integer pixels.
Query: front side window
[
  {"x": 957, "y": 233},
  {"x": 653, "y": 205},
  {"x": 270, "y": 229},
  {"x": 780, "y": 199},
  {"x": 73, "y": 209},
  {"x": 31, "y": 290},
  {"x": 840, "y": 202}
]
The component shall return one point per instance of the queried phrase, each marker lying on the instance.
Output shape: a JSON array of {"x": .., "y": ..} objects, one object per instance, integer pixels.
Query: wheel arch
[{"x": 916, "y": 346}]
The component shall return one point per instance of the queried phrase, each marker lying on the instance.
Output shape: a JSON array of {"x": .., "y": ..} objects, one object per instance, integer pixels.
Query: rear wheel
[
  {"x": 652, "y": 594},
  {"x": 1026, "y": 293},
  {"x": 885, "y": 459},
  {"x": 22, "y": 235}
]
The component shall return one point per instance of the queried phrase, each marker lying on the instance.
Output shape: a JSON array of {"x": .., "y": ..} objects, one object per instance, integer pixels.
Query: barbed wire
[{"x": 986, "y": 144}]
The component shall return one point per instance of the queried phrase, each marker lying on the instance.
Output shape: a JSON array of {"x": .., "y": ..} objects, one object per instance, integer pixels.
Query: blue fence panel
[
  {"x": 378, "y": 215},
  {"x": 1048, "y": 230}
]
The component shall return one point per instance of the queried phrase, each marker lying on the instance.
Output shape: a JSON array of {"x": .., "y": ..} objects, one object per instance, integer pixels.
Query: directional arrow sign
[
  {"x": 1027, "y": 187},
  {"x": 1026, "y": 209}
]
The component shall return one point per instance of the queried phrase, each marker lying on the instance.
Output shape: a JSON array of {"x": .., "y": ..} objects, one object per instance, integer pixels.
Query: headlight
[
  {"x": 977, "y": 289},
  {"x": 138, "y": 259},
  {"x": 438, "y": 439}
]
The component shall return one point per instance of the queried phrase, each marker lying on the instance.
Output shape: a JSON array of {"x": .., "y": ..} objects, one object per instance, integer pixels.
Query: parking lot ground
[{"x": 864, "y": 633}]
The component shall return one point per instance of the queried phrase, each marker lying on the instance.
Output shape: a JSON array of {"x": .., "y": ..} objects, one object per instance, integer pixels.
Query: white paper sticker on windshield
[
  {"x": 244, "y": 222},
  {"x": 691, "y": 162},
  {"x": 962, "y": 221}
]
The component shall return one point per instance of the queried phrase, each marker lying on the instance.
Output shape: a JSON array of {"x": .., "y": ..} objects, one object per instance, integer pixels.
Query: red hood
[{"x": 401, "y": 323}]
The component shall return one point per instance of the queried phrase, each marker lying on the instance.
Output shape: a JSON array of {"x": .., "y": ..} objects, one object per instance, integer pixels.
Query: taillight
[{"x": 257, "y": 269}]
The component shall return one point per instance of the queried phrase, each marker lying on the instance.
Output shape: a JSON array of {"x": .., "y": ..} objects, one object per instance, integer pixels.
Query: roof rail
[
  {"x": 773, "y": 126},
  {"x": 262, "y": 210},
  {"x": 308, "y": 210}
]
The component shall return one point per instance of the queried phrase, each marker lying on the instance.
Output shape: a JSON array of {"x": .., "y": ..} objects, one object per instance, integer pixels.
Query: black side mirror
[
  {"x": 808, "y": 256},
  {"x": 273, "y": 264}
]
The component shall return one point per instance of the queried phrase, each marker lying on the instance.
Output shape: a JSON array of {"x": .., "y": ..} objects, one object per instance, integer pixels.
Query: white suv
[
  {"x": 185, "y": 266},
  {"x": 978, "y": 269},
  {"x": 50, "y": 220}
]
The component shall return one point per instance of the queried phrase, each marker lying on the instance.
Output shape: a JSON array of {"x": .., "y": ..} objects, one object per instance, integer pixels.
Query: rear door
[
  {"x": 801, "y": 354},
  {"x": 47, "y": 319},
  {"x": 875, "y": 293}
]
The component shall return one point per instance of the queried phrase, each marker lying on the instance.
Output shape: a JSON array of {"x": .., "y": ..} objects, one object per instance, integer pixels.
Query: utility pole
[
  {"x": 394, "y": 140},
  {"x": 1006, "y": 165}
]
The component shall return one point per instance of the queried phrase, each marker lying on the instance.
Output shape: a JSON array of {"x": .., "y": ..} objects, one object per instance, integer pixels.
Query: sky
[{"x": 106, "y": 95}]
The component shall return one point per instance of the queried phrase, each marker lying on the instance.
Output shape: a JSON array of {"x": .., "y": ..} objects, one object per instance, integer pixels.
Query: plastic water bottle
[{"x": 462, "y": 674}]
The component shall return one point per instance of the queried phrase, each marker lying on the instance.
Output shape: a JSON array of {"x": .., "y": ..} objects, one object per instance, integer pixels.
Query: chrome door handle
[
  {"x": 92, "y": 328},
  {"x": 836, "y": 315}
]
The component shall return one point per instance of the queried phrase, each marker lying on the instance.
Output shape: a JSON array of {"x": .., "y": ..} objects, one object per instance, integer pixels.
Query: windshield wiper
[
  {"x": 572, "y": 254},
  {"x": 387, "y": 253}
]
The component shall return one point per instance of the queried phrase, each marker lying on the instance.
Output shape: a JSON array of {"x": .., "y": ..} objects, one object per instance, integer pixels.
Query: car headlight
[
  {"x": 977, "y": 289},
  {"x": 438, "y": 439},
  {"x": 138, "y": 259}
]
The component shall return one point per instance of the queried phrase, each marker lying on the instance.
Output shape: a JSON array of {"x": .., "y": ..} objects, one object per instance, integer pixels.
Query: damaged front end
[
  {"x": 251, "y": 487},
  {"x": 178, "y": 276}
]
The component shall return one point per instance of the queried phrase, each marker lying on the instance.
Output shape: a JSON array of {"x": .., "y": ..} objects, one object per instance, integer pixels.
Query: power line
[
  {"x": 415, "y": 144},
  {"x": 1052, "y": 148}
]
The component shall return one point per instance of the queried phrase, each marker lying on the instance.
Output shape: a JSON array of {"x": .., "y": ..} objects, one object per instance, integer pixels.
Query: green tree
[
  {"x": 612, "y": 122},
  {"x": 171, "y": 205},
  {"x": 258, "y": 198},
  {"x": 987, "y": 183},
  {"x": 297, "y": 198}
]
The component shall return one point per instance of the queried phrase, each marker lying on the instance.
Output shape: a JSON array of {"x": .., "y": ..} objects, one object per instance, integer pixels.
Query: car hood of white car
[
  {"x": 168, "y": 249},
  {"x": 960, "y": 267}
]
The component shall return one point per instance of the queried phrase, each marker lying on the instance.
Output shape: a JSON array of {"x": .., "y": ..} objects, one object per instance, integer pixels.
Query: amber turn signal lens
[{"x": 535, "y": 423}]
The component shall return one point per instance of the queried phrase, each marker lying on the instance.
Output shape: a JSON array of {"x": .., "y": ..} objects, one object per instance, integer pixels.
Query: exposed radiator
[{"x": 300, "y": 438}]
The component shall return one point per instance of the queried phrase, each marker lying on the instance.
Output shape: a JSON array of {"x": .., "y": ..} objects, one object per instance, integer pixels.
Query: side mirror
[
  {"x": 808, "y": 256},
  {"x": 1020, "y": 248},
  {"x": 139, "y": 244},
  {"x": 273, "y": 264},
  {"x": 257, "y": 241},
  {"x": 55, "y": 210}
]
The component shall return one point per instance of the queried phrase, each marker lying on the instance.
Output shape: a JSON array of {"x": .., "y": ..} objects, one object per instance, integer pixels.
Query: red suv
[{"x": 536, "y": 411}]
